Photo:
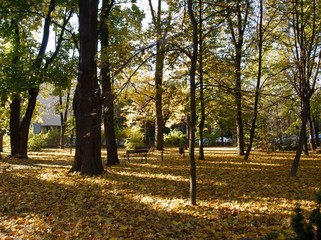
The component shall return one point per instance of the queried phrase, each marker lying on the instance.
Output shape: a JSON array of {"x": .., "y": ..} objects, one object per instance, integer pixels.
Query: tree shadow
[{"x": 150, "y": 200}]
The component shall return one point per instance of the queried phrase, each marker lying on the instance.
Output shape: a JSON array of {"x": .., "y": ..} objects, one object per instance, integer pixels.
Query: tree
[
  {"x": 303, "y": 46},
  {"x": 20, "y": 131},
  {"x": 161, "y": 34},
  {"x": 201, "y": 83},
  {"x": 107, "y": 90},
  {"x": 258, "y": 81},
  {"x": 192, "y": 122},
  {"x": 87, "y": 100},
  {"x": 237, "y": 14},
  {"x": 25, "y": 17},
  {"x": 59, "y": 80}
]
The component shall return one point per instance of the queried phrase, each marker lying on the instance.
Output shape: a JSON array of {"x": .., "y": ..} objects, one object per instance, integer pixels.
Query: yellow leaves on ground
[{"x": 40, "y": 200}]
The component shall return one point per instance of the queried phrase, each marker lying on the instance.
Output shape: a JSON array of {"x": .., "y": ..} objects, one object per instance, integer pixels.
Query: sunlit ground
[{"x": 138, "y": 200}]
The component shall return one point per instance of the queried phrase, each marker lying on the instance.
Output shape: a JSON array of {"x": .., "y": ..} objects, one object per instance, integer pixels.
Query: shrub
[
  {"x": 134, "y": 137},
  {"x": 52, "y": 138},
  {"x": 174, "y": 138},
  {"x": 36, "y": 141}
]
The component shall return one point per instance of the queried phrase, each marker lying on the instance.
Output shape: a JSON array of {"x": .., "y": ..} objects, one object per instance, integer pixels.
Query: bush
[
  {"x": 174, "y": 138},
  {"x": 36, "y": 141},
  {"x": 52, "y": 138},
  {"x": 134, "y": 137}
]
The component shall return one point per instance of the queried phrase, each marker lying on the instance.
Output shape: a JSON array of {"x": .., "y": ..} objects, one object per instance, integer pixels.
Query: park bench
[{"x": 140, "y": 152}]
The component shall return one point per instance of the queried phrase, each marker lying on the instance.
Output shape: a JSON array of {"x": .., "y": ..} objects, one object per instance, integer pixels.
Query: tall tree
[
  {"x": 25, "y": 18},
  {"x": 20, "y": 130},
  {"x": 107, "y": 89},
  {"x": 159, "y": 68},
  {"x": 201, "y": 83},
  {"x": 258, "y": 81},
  {"x": 237, "y": 15},
  {"x": 304, "y": 59},
  {"x": 192, "y": 123},
  {"x": 87, "y": 100}
]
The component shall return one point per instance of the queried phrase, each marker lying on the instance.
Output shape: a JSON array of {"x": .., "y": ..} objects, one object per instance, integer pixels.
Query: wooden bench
[{"x": 141, "y": 152}]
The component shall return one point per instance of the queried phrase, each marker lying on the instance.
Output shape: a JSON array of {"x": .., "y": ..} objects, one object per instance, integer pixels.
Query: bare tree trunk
[
  {"x": 160, "y": 58},
  {"x": 302, "y": 138},
  {"x": 258, "y": 86},
  {"x": 106, "y": 81},
  {"x": 14, "y": 126},
  {"x": 311, "y": 133},
  {"x": 87, "y": 100},
  {"x": 193, "y": 104},
  {"x": 25, "y": 124},
  {"x": 1, "y": 140},
  {"x": 202, "y": 102},
  {"x": 63, "y": 118},
  {"x": 316, "y": 132},
  {"x": 238, "y": 27}
]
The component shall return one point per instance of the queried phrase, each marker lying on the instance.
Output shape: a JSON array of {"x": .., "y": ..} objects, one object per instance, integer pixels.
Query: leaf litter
[{"x": 39, "y": 199}]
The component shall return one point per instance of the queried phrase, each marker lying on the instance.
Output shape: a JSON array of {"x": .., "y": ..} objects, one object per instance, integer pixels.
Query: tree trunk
[
  {"x": 193, "y": 104},
  {"x": 62, "y": 125},
  {"x": 202, "y": 102},
  {"x": 2, "y": 132},
  {"x": 238, "y": 102},
  {"x": 19, "y": 132},
  {"x": 14, "y": 126},
  {"x": 316, "y": 132},
  {"x": 63, "y": 119},
  {"x": 25, "y": 123},
  {"x": 258, "y": 86},
  {"x": 108, "y": 112},
  {"x": 238, "y": 27},
  {"x": 87, "y": 100},
  {"x": 302, "y": 138},
  {"x": 160, "y": 58},
  {"x": 311, "y": 134}
]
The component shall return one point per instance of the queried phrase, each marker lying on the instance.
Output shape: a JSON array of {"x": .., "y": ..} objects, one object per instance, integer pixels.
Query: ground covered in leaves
[{"x": 138, "y": 200}]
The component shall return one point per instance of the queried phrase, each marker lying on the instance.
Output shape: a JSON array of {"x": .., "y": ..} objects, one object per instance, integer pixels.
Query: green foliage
[
  {"x": 134, "y": 137},
  {"x": 36, "y": 141},
  {"x": 174, "y": 138},
  {"x": 52, "y": 137},
  {"x": 211, "y": 136}
]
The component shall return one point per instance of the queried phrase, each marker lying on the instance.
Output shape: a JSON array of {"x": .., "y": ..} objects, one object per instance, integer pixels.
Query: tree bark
[
  {"x": 202, "y": 102},
  {"x": 238, "y": 102},
  {"x": 311, "y": 133},
  {"x": 316, "y": 132},
  {"x": 237, "y": 31},
  {"x": 193, "y": 104},
  {"x": 302, "y": 138},
  {"x": 258, "y": 86},
  {"x": 14, "y": 126},
  {"x": 160, "y": 58},
  {"x": 63, "y": 119},
  {"x": 108, "y": 112},
  {"x": 87, "y": 100},
  {"x": 25, "y": 123}
]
